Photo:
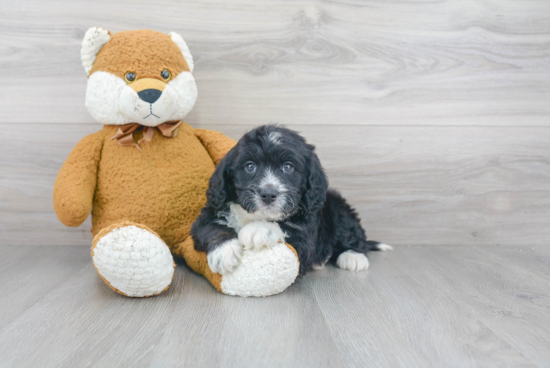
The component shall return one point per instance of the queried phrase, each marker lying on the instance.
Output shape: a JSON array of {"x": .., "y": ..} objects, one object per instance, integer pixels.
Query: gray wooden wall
[{"x": 432, "y": 117}]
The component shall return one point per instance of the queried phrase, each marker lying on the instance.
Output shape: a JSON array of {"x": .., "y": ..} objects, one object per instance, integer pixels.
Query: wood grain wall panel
[
  {"x": 411, "y": 185},
  {"x": 308, "y": 62}
]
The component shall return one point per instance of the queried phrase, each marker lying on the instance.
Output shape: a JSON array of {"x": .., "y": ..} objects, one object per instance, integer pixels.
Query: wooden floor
[{"x": 438, "y": 306}]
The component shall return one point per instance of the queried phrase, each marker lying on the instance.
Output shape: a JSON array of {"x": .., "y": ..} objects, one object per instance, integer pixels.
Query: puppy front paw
[
  {"x": 259, "y": 234},
  {"x": 226, "y": 257}
]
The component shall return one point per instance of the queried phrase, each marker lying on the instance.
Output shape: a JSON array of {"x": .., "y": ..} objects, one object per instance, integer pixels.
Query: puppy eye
[
  {"x": 130, "y": 77},
  {"x": 165, "y": 74},
  {"x": 250, "y": 167},
  {"x": 288, "y": 168}
]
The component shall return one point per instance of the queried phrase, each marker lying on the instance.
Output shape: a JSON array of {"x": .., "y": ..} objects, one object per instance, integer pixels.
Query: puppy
[{"x": 271, "y": 188}]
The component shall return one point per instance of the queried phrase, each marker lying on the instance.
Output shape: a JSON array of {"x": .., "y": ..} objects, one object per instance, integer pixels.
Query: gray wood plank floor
[{"x": 437, "y": 306}]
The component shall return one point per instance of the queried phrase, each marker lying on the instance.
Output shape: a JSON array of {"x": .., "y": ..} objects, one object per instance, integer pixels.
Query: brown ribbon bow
[{"x": 125, "y": 133}]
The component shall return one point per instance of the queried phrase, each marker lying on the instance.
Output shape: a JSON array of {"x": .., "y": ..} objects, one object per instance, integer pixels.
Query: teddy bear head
[{"x": 138, "y": 76}]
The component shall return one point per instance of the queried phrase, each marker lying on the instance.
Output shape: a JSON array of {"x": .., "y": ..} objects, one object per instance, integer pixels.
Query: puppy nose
[
  {"x": 150, "y": 95},
  {"x": 268, "y": 194}
]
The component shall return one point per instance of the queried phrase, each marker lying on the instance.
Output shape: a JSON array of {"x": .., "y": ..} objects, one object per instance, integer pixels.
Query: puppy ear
[
  {"x": 178, "y": 40},
  {"x": 317, "y": 183},
  {"x": 220, "y": 188},
  {"x": 94, "y": 39}
]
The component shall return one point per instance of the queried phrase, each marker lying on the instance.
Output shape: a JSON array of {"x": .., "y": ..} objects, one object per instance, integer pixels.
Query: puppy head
[
  {"x": 272, "y": 173},
  {"x": 137, "y": 77}
]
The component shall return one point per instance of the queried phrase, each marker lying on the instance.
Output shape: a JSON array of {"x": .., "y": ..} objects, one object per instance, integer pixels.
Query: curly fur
[{"x": 317, "y": 221}]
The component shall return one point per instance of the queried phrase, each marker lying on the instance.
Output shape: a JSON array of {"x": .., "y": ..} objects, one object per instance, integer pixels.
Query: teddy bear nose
[{"x": 150, "y": 95}]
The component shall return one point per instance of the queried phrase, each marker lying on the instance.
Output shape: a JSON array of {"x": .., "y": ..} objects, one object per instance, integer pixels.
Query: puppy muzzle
[{"x": 268, "y": 194}]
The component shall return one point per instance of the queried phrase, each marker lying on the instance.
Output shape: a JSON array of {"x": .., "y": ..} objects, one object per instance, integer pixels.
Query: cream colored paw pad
[
  {"x": 262, "y": 272},
  {"x": 134, "y": 261}
]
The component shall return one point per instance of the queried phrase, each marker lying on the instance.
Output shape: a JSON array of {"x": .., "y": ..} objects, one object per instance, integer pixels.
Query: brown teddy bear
[{"x": 144, "y": 175}]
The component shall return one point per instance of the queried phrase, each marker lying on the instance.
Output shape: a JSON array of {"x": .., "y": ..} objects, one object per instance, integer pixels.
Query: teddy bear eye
[
  {"x": 165, "y": 74},
  {"x": 130, "y": 77}
]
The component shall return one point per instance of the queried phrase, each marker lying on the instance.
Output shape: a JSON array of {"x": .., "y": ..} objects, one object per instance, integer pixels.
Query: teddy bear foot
[
  {"x": 262, "y": 272},
  {"x": 133, "y": 260}
]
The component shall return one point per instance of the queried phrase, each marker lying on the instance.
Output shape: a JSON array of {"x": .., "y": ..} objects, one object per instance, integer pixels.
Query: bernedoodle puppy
[{"x": 269, "y": 188}]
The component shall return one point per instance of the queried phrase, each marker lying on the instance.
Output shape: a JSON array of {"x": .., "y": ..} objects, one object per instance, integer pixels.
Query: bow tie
[{"x": 125, "y": 133}]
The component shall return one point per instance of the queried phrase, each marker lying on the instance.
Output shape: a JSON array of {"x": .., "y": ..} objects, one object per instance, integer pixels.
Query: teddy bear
[{"x": 144, "y": 175}]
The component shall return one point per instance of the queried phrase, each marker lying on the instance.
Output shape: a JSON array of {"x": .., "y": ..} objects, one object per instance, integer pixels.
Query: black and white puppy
[{"x": 271, "y": 187}]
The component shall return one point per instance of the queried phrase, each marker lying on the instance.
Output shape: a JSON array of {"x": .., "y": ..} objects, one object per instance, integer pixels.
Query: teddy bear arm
[
  {"x": 76, "y": 181},
  {"x": 217, "y": 144}
]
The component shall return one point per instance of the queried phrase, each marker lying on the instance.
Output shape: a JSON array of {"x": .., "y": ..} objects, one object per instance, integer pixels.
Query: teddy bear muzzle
[{"x": 148, "y": 101}]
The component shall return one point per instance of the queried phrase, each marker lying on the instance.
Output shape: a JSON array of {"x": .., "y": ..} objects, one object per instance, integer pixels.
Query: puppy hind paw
[
  {"x": 259, "y": 234},
  {"x": 352, "y": 261},
  {"x": 226, "y": 257}
]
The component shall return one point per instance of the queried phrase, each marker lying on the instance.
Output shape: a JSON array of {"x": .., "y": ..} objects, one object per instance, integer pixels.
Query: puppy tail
[{"x": 374, "y": 245}]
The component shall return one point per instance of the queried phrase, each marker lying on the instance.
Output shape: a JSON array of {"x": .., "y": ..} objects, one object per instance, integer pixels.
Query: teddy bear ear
[
  {"x": 184, "y": 49},
  {"x": 94, "y": 39}
]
